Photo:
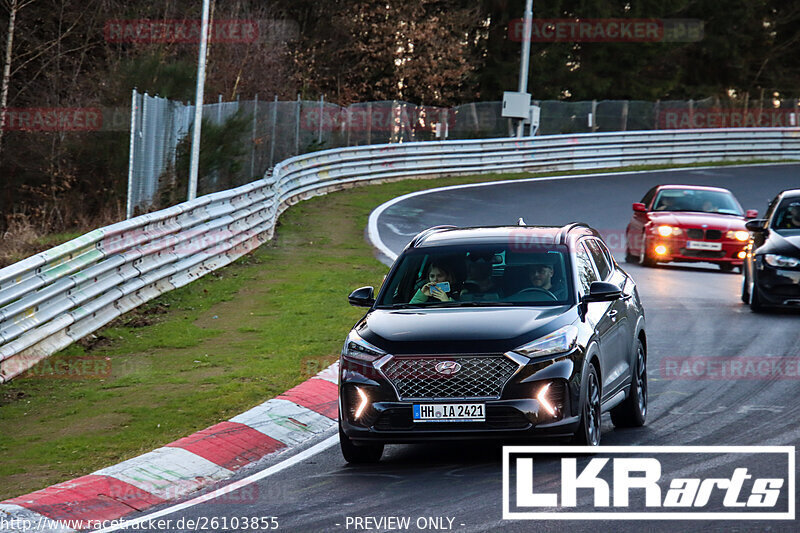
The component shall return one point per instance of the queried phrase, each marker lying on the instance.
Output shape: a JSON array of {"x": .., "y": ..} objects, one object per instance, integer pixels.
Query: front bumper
[
  {"x": 777, "y": 287},
  {"x": 676, "y": 250},
  {"x": 392, "y": 423},
  {"x": 515, "y": 414}
]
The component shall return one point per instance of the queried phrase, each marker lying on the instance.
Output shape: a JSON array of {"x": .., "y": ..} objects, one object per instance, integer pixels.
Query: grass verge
[{"x": 203, "y": 353}]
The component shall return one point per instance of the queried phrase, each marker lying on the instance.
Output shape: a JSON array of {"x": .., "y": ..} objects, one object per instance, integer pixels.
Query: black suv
[{"x": 494, "y": 332}]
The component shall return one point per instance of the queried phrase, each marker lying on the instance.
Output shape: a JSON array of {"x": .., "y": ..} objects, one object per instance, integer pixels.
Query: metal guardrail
[{"x": 55, "y": 298}]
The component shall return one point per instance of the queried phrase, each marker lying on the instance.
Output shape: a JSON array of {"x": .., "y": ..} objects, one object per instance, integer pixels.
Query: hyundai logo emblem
[{"x": 448, "y": 368}]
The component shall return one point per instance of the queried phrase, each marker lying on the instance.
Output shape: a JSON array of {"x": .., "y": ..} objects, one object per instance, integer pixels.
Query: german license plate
[
  {"x": 450, "y": 412},
  {"x": 702, "y": 245}
]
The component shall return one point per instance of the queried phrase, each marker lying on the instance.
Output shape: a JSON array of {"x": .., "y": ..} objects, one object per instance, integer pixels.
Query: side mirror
[
  {"x": 639, "y": 207},
  {"x": 363, "y": 297},
  {"x": 751, "y": 213},
  {"x": 602, "y": 291},
  {"x": 755, "y": 225}
]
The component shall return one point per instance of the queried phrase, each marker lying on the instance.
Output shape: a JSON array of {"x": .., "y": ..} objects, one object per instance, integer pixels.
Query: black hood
[
  {"x": 781, "y": 244},
  {"x": 454, "y": 330}
]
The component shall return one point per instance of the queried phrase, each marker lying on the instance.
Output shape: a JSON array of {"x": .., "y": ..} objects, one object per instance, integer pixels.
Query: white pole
[
  {"x": 253, "y": 141},
  {"x": 525, "y": 56},
  {"x": 198, "y": 104},
  {"x": 131, "y": 156}
]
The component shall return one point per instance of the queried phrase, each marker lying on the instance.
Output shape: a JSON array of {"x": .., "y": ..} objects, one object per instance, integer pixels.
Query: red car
[{"x": 688, "y": 223}]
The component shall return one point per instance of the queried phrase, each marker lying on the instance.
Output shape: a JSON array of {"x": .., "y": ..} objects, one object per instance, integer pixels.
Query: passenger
[
  {"x": 479, "y": 284},
  {"x": 541, "y": 277},
  {"x": 709, "y": 207},
  {"x": 437, "y": 273}
]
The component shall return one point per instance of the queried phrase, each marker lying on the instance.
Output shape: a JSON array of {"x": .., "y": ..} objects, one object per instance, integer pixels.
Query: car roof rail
[
  {"x": 426, "y": 232},
  {"x": 561, "y": 238}
]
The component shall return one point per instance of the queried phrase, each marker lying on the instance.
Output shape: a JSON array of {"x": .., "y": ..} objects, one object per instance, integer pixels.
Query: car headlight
[
  {"x": 781, "y": 261},
  {"x": 360, "y": 350},
  {"x": 560, "y": 341},
  {"x": 739, "y": 235},
  {"x": 666, "y": 231}
]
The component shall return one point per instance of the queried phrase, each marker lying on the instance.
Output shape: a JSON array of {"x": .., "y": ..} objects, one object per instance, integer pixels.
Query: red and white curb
[{"x": 179, "y": 468}]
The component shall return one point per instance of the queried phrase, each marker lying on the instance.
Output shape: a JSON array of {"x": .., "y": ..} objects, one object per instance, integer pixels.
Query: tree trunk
[{"x": 12, "y": 16}]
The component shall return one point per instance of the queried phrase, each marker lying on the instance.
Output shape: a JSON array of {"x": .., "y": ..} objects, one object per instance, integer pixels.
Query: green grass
[{"x": 203, "y": 353}]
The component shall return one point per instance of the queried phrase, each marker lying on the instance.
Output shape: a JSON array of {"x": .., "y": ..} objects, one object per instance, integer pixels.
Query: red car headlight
[{"x": 669, "y": 231}]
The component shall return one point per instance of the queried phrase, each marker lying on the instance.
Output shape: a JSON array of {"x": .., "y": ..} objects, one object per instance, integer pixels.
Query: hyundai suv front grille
[{"x": 457, "y": 377}]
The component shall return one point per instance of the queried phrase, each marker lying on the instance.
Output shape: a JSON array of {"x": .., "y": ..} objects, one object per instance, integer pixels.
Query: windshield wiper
[{"x": 401, "y": 306}]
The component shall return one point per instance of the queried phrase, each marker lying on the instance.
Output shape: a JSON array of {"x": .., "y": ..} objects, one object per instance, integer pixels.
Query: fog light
[
  {"x": 661, "y": 249},
  {"x": 544, "y": 402},
  {"x": 363, "y": 404},
  {"x": 742, "y": 254}
]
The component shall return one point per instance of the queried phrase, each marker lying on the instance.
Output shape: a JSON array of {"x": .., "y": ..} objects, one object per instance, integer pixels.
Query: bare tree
[{"x": 13, "y": 7}]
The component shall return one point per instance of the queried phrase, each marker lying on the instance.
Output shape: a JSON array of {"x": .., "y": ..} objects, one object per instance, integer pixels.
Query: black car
[
  {"x": 494, "y": 332},
  {"x": 771, "y": 272}
]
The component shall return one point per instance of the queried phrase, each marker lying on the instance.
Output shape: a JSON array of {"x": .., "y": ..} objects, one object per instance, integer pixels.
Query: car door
[
  {"x": 619, "y": 343},
  {"x": 597, "y": 316}
]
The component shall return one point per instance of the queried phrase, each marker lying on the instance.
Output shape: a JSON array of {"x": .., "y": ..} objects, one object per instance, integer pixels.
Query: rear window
[{"x": 479, "y": 275}]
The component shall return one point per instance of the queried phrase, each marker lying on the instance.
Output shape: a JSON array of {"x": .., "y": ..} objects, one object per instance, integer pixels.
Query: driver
[
  {"x": 791, "y": 219},
  {"x": 541, "y": 277}
]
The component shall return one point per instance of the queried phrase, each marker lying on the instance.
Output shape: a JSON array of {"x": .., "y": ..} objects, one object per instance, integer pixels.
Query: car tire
[
  {"x": 632, "y": 412},
  {"x": 644, "y": 257},
  {"x": 745, "y": 289},
  {"x": 588, "y": 433},
  {"x": 629, "y": 257},
  {"x": 358, "y": 454},
  {"x": 755, "y": 300},
  {"x": 726, "y": 267}
]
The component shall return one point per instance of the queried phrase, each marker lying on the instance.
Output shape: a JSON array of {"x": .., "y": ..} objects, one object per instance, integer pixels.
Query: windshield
[
  {"x": 479, "y": 275},
  {"x": 786, "y": 220},
  {"x": 719, "y": 202}
]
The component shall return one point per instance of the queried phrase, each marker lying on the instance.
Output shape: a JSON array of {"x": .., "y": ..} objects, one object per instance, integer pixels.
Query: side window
[
  {"x": 586, "y": 273},
  {"x": 649, "y": 196},
  {"x": 771, "y": 209},
  {"x": 600, "y": 259}
]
